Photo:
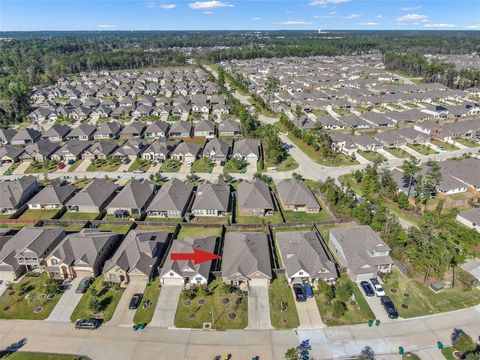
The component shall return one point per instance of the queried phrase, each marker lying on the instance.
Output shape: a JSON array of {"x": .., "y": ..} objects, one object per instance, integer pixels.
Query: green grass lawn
[
  {"x": 423, "y": 301},
  {"x": 140, "y": 164},
  {"x": 116, "y": 228},
  {"x": 397, "y": 152},
  {"x": 300, "y": 216},
  {"x": 171, "y": 165},
  {"x": 237, "y": 304},
  {"x": 348, "y": 179},
  {"x": 104, "y": 165},
  {"x": 74, "y": 166},
  {"x": 210, "y": 220},
  {"x": 467, "y": 142},
  {"x": 33, "y": 214},
  {"x": 169, "y": 229},
  {"x": 22, "y": 299},
  {"x": 74, "y": 215},
  {"x": 202, "y": 165},
  {"x": 12, "y": 167},
  {"x": 163, "y": 220},
  {"x": 230, "y": 167},
  {"x": 422, "y": 149},
  {"x": 280, "y": 293},
  {"x": 444, "y": 145},
  {"x": 23, "y": 355},
  {"x": 151, "y": 293},
  {"x": 372, "y": 156},
  {"x": 448, "y": 353},
  {"x": 109, "y": 295},
  {"x": 42, "y": 167},
  {"x": 358, "y": 312},
  {"x": 342, "y": 112},
  {"x": 81, "y": 183},
  {"x": 276, "y": 218},
  {"x": 286, "y": 165},
  {"x": 198, "y": 232}
]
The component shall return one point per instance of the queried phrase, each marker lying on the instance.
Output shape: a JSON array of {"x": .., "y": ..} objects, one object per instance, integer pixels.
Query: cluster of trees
[
  {"x": 337, "y": 295},
  {"x": 432, "y": 70}
]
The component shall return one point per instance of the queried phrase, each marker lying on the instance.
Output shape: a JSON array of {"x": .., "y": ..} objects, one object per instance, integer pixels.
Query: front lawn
[
  {"x": 75, "y": 215},
  {"x": 202, "y": 165},
  {"x": 443, "y": 144},
  {"x": 74, "y": 166},
  {"x": 107, "y": 165},
  {"x": 23, "y": 355},
  {"x": 235, "y": 166},
  {"x": 28, "y": 299},
  {"x": 11, "y": 169},
  {"x": 447, "y": 352},
  {"x": 42, "y": 167},
  {"x": 199, "y": 232},
  {"x": 140, "y": 164},
  {"x": 146, "y": 309},
  {"x": 422, "y": 149},
  {"x": 224, "y": 307},
  {"x": 33, "y": 214},
  {"x": 354, "y": 312},
  {"x": 372, "y": 156},
  {"x": 171, "y": 165},
  {"x": 397, "y": 152},
  {"x": 467, "y": 142},
  {"x": 283, "y": 312},
  {"x": 286, "y": 165},
  {"x": 108, "y": 295},
  {"x": 420, "y": 300}
]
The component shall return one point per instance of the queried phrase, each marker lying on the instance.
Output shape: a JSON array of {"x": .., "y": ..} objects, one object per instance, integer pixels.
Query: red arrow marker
[{"x": 198, "y": 256}]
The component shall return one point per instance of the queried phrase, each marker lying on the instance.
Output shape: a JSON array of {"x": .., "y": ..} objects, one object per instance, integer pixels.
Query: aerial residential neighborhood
[{"x": 285, "y": 192}]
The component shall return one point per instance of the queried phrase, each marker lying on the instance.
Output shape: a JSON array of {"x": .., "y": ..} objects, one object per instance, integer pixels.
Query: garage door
[
  {"x": 142, "y": 279},
  {"x": 258, "y": 282},
  {"x": 83, "y": 273},
  {"x": 365, "y": 277},
  {"x": 172, "y": 281},
  {"x": 7, "y": 276}
]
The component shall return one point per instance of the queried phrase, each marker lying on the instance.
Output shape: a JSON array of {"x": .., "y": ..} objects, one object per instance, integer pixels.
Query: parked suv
[
  {"x": 299, "y": 292},
  {"x": 308, "y": 290},
  {"x": 389, "y": 307},
  {"x": 135, "y": 301},
  {"x": 84, "y": 285},
  {"x": 90, "y": 324},
  {"x": 367, "y": 288},
  {"x": 377, "y": 287}
]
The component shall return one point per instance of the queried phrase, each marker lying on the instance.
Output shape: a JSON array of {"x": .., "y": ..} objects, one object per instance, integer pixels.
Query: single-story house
[
  {"x": 254, "y": 199},
  {"x": 295, "y": 195},
  {"x": 132, "y": 199},
  {"x": 171, "y": 200},
  {"x": 94, "y": 197}
]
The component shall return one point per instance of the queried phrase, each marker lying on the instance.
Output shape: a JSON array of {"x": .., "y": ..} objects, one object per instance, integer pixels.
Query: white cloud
[
  {"x": 106, "y": 26},
  {"x": 207, "y": 12},
  {"x": 165, "y": 6},
  {"x": 379, "y": 16},
  {"x": 440, "y": 26},
  {"x": 352, "y": 16},
  {"x": 327, "y": 2},
  {"x": 256, "y": 18},
  {"x": 322, "y": 16},
  {"x": 371, "y": 23},
  {"x": 199, "y": 5},
  {"x": 474, "y": 26},
  {"x": 410, "y": 8},
  {"x": 412, "y": 18},
  {"x": 332, "y": 12},
  {"x": 295, "y": 22}
]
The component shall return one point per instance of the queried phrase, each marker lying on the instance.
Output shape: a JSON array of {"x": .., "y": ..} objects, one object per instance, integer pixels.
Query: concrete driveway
[
  {"x": 376, "y": 306},
  {"x": 123, "y": 315},
  {"x": 164, "y": 314},
  {"x": 21, "y": 168},
  {"x": 4, "y": 167},
  {"x": 251, "y": 167},
  {"x": 84, "y": 165},
  {"x": 67, "y": 303},
  {"x": 308, "y": 314},
  {"x": 258, "y": 308}
]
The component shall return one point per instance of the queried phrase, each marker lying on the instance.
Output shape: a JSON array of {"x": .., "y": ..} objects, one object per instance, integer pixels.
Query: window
[
  {"x": 300, "y": 273},
  {"x": 54, "y": 262},
  {"x": 171, "y": 274}
]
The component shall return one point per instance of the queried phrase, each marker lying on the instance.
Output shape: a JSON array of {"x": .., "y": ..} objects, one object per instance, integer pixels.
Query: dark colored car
[
  {"x": 299, "y": 292},
  {"x": 367, "y": 288},
  {"x": 308, "y": 290},
  {"x": 135, "y": 301},
  {"x": 90, "y": 324},
  {"x": 84, "y": 285},
  {"x": 389, "y": 307}
]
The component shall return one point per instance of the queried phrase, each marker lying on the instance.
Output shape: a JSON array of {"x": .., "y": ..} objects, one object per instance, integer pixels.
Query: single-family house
[
  {"x": 186, "y": 152},
  {"x": 171, "y": 200},
  {"x": 14, "y": 194},
  {"x": 295, "y": 195},
  {"x": 228, "y": 128},
  {"x": 10, "y": 153},
  {"x": 52, "y": 197},
  {"x": 204, "y": 128},
  {"x": 181, "y": 129},
  {"x": 25, "y": 136},
  {"x": 39, "y": 151},
  {"x": 107, "y": 130},
  {"x": 83, "y": 132},
  {"x": 56, "y": 133},
  {"x": 94, "y": 197},
  {"x": 254, "y": 199},
  {"x": 211, "y": 199},
  {"x": 132, "y": 199},
  {"x": 217, "y": 150},
  {"x": 134, "y": 130},
  {"x": 247, "y": 149},
  {"x": 100, "y": 150},
  {"x": 157, "y": 129},
  {"x": 71, "y": 151},
  {"x": 470, "y": 218}
]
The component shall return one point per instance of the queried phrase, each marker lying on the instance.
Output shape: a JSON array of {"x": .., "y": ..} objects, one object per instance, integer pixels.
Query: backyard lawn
[
  {"x": 42, "y": 167},
  {"x": 357, "y": 312},
  {"x": 199, "y": 232},
  {"x": 116, "y": 228},
  {"x": 75, "y": 215},
  {"x": 104, "y": 165},
  {"x": 108, "y": 295},
  {"x": 202, "y": 165},
  {"x": 171, "y": 165},
  {"x": 443, "y": 144},
  {"x": 144, "y": 313},
  {"x": 28, "y": 299},
  {"x": 421, "y": 300},
  {"x": 372, "y": 156},
  {"x": 422, "y": 149},
  {"x": 33, "y": 214},
  {"x": 281, "y": 298},
  {"x": 170, "y": 229},
  {"x": 300, "y": 216},
  {"x": 22, "y": 355},
  {"x": 467, "y": 142},
  {"x": 140, "y": 164},
  {"x": 223, "y": 308},
  {"x": 276, "y": 218},
  {"x": 397, "y": 152}
]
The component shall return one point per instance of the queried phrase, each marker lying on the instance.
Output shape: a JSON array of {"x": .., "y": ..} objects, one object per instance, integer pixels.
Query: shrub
[
  {"x": 464, "y": 343},
  {"x": 339, "y": 309}
]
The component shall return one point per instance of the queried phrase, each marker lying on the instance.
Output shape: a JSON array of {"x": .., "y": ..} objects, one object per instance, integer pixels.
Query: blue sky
[{"x": 239, "y": 15}]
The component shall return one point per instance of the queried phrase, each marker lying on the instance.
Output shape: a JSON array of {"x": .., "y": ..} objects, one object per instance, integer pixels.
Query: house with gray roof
[
  {"x": 254, "y": 199},
  {"x": 228, "y": 128},
  {"x": 377, "y": 119},
  {"x": 181, "y": 129},
  {"x": 159, "y": 150},
  {"x": 355, "y": 122},
  {"x": 295, "y": 195},
  {"x": 204, "y": 128},
  {"x": 131, "y": 150},
  {"x": 82, "y": 254},
  {"x": 83, "y": 132},
  {"x": 171, "y": 200},
  {"x": 107, "y": 130},
  {"x": 211, "y": 199},
  {"x": 94, "y": 197},
  {"x": 10, "y": 153},
  {"x": 179, "y": 272},
  {"x": 157, "y": 129},
  {"x": 28, "y": 249},
  {"x": 361, "y": 251},
  {"x": 52, "y": 197},
  {"x": 134, "y": 130},
  {"x": 15, "y": 193},
  {"x": 304, "y": 257},
  {"x": 56, "y": 133},
  {"x": 137, "y": 258},
  {"x": 132, "y": 199},
  {"x": 247, "y": 149},
  {"x": 186, "y": 152},
  {"x": 217, "y": 150},
  {"x": 246, "y": 259},
  {"x": 412, "y": 136},
  {"x": 470, "y": 218},
  {"x": 71, "y": 151},
  {"x": 390, "y": 139},
  {"x": 6, "y": 135},
  {"x": 329, "y": 123},
  {"x": 25, "y": 136},
  {"x": 39, "y": 151},
  {"x": 99, "y": 150}
]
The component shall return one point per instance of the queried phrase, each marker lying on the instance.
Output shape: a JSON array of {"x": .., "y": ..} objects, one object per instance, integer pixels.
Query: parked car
[
  {"x": 299, "y": 292},
  {"x": 138, "y": 171},
  {"x": 377, "y": 287},
  {"x": 367, "y": 288},
  {"x": 84, "y": 285},
  {"x": 135, "y": 301},
  {"x": 308, "y": 290},
  {"x": 61, "y": 165},
  {"x": 389, "y": 307},
  {"x": 90, "y": 324}
]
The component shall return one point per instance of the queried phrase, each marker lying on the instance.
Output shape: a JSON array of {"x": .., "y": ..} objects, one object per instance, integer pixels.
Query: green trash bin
[
  {"x": 401, "y": 350},
  {"x": 377, "y": 322},
  {"x": 439, "y": 345},
  {"x": 370, "y": 323}
]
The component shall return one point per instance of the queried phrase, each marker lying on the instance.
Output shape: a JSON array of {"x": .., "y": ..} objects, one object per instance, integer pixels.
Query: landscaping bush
[
  {"x": 339, "y": 308},
  {"x": 462, "y": 342}
]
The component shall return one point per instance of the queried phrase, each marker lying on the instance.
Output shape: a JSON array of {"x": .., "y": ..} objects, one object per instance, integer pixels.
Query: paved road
[
  {"x": 67, "y": 303},
  {"x": 164, "y": 314},
  {"x": 258, "y": 308}
]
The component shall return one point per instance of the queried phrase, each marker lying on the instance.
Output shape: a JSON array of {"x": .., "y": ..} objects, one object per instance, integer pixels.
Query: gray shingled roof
[
  {"x": 254, "y": 195},
  {"x": 295, "y": 192},
  {"x": 53, "y": 194},
  {"x": 173, "y": 195},
  {"x": 217, "y": 146},
  {"x": 472, "y": 215},
  {"x": 134, "y": 195},
  {"x": 246, "y": 147},
  {"x": 12, "y": 191},
  {"x": 212, "y": 196},
  {"x": 94, "y": 194},
  {"x": 185, "y": 148}
]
